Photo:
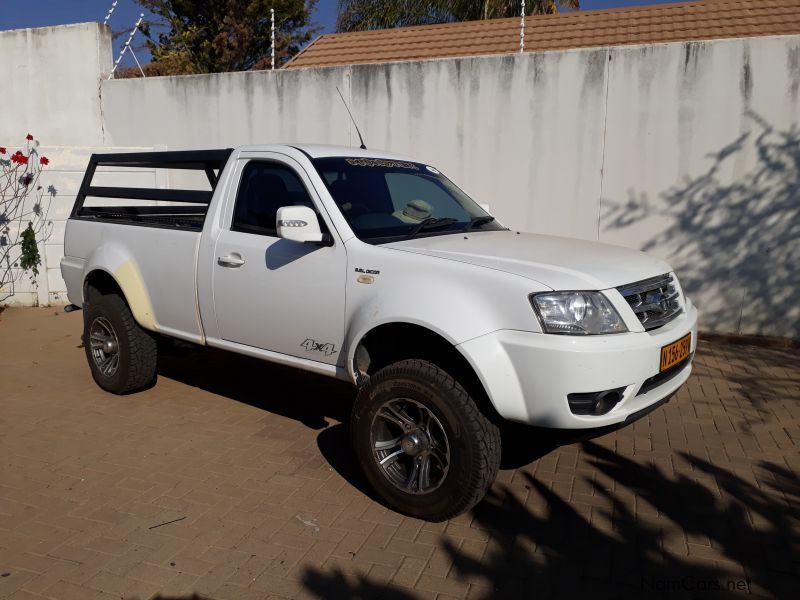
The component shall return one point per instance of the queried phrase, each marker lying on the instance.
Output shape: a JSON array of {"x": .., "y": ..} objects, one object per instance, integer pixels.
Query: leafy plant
[
  {"x": 191, "y": 36},
  {"x": 30, "y": 259},
  {"x": 22, "y": 200}
]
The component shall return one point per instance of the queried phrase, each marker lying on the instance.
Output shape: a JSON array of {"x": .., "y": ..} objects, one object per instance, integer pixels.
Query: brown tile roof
[{"x": 712, "y": 19}]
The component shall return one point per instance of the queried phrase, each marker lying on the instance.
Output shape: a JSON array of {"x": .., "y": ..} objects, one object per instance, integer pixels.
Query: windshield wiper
[
  {"x": 430, "y": 223},
  {"x": 478, "y": 221}
]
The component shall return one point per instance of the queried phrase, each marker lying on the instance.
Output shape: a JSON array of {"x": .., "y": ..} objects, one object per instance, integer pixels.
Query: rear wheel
[
  {"x": 423, "y": 444},
  {"x": 122, "y": 356}
]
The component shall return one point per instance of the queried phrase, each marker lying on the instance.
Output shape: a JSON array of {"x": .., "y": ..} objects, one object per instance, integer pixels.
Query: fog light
[{"x": 594, "y": 403}]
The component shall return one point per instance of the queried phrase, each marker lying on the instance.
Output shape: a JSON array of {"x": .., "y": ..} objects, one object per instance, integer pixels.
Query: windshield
[{"x": 386, "y": 200}]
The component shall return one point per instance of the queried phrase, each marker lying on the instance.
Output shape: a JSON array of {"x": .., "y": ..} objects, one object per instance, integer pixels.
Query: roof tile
[{"x": 712, "y": 19}]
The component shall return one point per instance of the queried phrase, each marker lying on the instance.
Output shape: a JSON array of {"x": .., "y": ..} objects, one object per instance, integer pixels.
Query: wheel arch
[
  {"x": 391, "y": 342},
  {"x": 102, "y": 282},
  {"x": 126, "y": 282}
]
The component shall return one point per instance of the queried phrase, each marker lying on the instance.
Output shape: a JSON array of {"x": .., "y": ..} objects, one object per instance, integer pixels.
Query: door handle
[{"x": 232, "y": 261}]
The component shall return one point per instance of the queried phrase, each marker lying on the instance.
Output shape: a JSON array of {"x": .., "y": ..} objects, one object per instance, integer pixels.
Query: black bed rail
[{"x": 211, "y": 162}]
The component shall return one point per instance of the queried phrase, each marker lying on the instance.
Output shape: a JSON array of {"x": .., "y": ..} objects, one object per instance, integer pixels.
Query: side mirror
[{"x": 299, "y": 224}]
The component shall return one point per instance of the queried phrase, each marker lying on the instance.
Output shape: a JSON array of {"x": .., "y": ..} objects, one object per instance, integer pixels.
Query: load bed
[{"x": 152, "y": 206}]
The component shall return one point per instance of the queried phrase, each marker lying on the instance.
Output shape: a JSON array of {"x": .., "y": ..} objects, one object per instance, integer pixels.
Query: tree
[
  {"x": 195, "y": 36},
  {"x": 360, "y": 15}
]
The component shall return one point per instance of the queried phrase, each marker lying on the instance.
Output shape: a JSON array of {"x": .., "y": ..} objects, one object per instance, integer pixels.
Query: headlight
[{"x": 576, "y": 313}]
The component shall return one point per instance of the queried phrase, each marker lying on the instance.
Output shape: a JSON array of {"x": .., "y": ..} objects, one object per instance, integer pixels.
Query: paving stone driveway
[{"x": 232, "y": 479}]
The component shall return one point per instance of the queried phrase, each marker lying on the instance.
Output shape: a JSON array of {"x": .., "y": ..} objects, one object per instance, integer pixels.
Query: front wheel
[
  {"x": 122, "y": 356},
  {"x": 423, "y": 444}
]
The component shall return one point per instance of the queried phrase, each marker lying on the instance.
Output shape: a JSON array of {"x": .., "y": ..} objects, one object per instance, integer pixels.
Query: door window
[{"x": 264, "y": 188}]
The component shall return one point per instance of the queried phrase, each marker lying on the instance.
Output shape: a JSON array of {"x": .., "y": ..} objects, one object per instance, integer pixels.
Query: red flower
[
  {"x": 2, "y": 150},
  {"x": 19, "y": 158},
  {"x": 29, "y": 137},
  {"x": 44, "y": 161}
]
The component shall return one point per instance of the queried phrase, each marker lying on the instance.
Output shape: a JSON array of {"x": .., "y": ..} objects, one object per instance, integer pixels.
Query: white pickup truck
[{"x": 376, "y": 269}]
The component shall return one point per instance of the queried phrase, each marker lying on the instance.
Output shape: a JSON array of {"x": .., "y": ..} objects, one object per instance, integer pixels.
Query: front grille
[{"x": 656, "y": 301}]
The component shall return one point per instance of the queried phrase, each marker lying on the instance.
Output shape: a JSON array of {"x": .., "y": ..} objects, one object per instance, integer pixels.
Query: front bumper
[{"x": 528, "y": 376}]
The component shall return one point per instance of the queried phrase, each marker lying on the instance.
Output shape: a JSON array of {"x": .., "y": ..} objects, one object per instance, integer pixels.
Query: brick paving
[{"x": 232, "y": 479}]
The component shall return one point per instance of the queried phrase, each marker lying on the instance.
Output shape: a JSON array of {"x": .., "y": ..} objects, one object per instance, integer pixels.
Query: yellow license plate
[{"x": 673, "y": 353}]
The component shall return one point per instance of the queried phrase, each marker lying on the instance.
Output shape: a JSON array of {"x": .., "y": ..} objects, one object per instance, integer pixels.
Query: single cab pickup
[{"x": 376, "y": 269}]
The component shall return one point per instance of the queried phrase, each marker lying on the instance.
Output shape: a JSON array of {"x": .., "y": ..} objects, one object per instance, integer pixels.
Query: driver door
[{"x": 272, "y": 293}]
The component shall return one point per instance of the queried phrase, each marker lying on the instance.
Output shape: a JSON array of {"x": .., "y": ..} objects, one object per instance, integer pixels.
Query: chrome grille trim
[
  {"x": 645, "y": 285},
  {"x": 656, "y": 301}
]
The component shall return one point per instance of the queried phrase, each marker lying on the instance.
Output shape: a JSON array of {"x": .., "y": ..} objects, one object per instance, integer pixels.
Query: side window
[{"x": 264, "y": 188}]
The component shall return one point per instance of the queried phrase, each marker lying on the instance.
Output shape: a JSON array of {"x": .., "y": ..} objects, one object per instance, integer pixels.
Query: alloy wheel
[
  {"x": 410, "y": 446},
  {"x": 104, "y": 345}
]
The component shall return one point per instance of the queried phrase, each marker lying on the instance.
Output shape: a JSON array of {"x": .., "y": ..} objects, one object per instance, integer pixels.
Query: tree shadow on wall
[
  {"x": 733, "y": 236},
  {"x": 631, "y": 544}
]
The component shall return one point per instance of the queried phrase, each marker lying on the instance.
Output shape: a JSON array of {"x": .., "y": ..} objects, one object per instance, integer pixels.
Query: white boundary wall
[
  {"x": 690, "y": 151},
  {"x": 51, "y": 88}
]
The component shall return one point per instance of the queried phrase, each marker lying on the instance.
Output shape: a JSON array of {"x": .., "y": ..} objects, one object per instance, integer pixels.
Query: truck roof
[{"x": 324, "y": 151}]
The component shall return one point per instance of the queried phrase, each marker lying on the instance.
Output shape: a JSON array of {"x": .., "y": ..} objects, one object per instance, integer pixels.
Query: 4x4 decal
[{"x": 314, "y": 346}]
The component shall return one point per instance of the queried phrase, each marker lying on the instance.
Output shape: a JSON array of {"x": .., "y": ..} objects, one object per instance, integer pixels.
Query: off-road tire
[
  {"x": 137, "y": 348},
  {"x": 473, "y": 439}
]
